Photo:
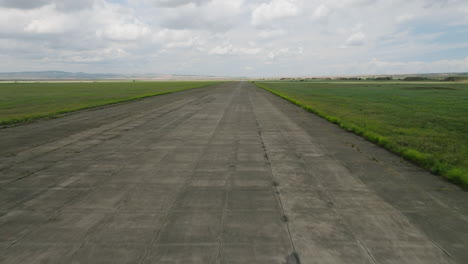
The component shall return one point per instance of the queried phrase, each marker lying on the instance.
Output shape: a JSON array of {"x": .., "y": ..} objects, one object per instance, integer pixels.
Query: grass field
[
  {"x": 424, "y": 122},
  {"x": 20, "y": 102}
]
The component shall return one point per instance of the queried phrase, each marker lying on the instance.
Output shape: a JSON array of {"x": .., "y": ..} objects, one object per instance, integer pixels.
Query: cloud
[
  {"x": 397, "y": 67},
  {"x": 43, "y": 20},
  {"x": 23, "y": 4},
  {"x": 404, "y": 18},
  {"x": 229, "y": 49},
  {"x": 321, "y": 11},
  {"x": 171, "y": 39},
  {"x": 127, "y": 31},
  {"x": 274, "y": 54},
  {"x": 113, "y": 53},
  {"x": 43, "y": 26},
  {"x": 356, "y": 39},
  {"x": 215, "y": 15},
  {"x": 276, "y": 9},
  {"x": 223, "y": 50},
  {"x": 221, "y": 37},
  {"x": 47, "y": 20},
  {"x": 271, "y": 33},
  {"x": 357, "y": 3},
  {"x": 176, "y": 3},
  {"x": 66, "y": 5}
]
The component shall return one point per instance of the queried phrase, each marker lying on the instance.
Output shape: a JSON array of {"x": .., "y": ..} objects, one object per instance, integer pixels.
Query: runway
[{"x": 222, "y": 174}]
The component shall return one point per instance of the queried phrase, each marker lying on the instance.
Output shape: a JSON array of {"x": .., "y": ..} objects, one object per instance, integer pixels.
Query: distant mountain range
[{"x": 61, "y": 75}]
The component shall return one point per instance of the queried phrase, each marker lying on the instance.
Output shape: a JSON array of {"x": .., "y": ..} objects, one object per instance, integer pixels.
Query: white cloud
[
  {"x": 276, "y": 9},
  {"x": 274, "y": 54},
  {"x": 223, "y": 50},
  {"x": 271, "y": 33},
  {"x": 404, "y": 18},
  {"x": 356, "y": 39},
  {"x": 47, "y": 20},
  {"x": 125, "y": 31},
  {"x": 99, "y": 55},
  {"x": 356, "y": 3},
  {"x": 170, "y": 38},
  {"x": 321, "y": 11},
  {"x": 250, "y": 51},
  {"x": 42, "y": 26},
  {"x": 229, "y": 49},
  {"x": 176, "y": 3}
]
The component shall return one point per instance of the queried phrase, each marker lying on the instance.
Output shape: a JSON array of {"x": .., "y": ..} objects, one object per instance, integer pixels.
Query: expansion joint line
[
  {"x": 228, "y": 185},
  {"x": 275, "y": 187},
  {"x": 179, "y": 194},
  {"x": 328, "y": 195}
]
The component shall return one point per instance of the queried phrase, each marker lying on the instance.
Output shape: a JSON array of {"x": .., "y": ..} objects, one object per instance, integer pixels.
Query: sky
[{"x": 253, "y": 38}]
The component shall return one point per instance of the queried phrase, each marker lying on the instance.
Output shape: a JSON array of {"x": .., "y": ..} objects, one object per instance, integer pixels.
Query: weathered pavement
[{"x": 223, "y": 174}]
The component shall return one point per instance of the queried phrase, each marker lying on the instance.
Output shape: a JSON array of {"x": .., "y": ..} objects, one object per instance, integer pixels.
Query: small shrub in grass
[
  {"x": 414, "y": 155},
  {"x": 458, "y": 175}
]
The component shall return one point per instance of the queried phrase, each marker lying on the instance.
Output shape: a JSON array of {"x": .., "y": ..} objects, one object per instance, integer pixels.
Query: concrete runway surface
[{"x": 222, "y": 174}]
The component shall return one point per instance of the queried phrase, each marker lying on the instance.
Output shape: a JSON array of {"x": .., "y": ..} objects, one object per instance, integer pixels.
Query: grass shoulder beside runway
[
  {"x": 424, "y": 122},
  {"x": 23, "y": 102}
]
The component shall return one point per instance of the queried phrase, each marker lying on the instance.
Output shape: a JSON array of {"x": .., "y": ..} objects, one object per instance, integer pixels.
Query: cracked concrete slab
[{"x": 222, "y": 174}]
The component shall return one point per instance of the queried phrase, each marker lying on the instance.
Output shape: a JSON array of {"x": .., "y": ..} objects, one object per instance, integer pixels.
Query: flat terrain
[
  {"x": 426, "y": 122},
  {"x": 28, "y": 100},
  {"x": 223, "y": 174}
]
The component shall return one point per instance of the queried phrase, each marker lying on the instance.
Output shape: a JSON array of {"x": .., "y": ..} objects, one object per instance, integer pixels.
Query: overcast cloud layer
[{"x": 235, "y": 37}]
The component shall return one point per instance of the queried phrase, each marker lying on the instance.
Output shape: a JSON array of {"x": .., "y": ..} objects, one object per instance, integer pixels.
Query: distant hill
[{"x": 61, "y": 75}]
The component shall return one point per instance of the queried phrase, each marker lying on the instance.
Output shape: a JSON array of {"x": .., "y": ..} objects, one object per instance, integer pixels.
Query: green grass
[
  {"x": 424, "y": 122},
  {"x": 22, "y": 102}
]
